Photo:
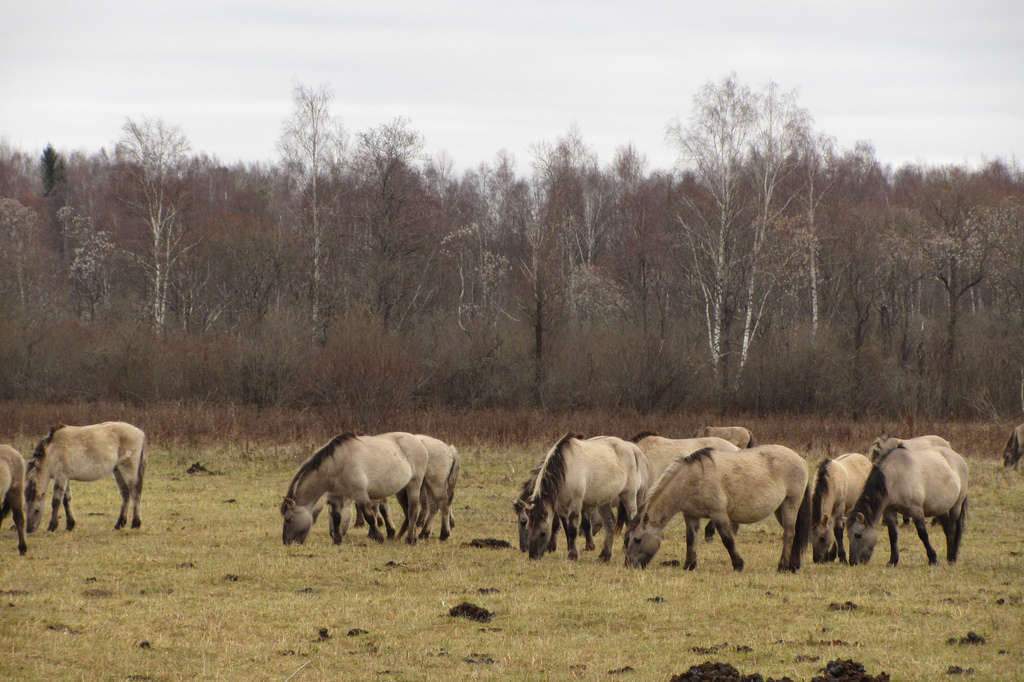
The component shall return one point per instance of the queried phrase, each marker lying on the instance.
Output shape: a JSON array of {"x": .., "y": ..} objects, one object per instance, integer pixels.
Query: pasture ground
[{"x": 206, "y": 590}]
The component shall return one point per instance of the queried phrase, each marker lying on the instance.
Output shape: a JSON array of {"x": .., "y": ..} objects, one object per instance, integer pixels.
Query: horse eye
[
  {"x": 857, "y": 535},
  {"x": 636, "y": 540}
]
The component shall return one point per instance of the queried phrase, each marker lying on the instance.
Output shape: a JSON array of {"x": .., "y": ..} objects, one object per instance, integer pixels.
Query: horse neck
[
  {"x": 310, "y": 486},
  {"x": 664, "y": 502},
  {"x": 875, "y": 497}
]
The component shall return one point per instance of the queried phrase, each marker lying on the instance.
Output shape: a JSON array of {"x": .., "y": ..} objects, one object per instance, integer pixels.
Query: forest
[{"x": 770, "y": 271}]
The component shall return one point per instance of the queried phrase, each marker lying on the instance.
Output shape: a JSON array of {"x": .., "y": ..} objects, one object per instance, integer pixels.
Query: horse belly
[
  {"x": 381, "y": 484},
  {"x": 754, "y": 504},
  {"x": 88, "y": 467}
]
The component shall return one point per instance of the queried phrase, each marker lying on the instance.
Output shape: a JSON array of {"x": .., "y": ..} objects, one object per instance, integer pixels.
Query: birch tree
[
  {"x": 311, "y": 143},
  {"x": 153, "y": 155}
]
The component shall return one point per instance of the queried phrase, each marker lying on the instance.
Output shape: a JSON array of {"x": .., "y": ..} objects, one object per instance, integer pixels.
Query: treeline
[{"x": 771, "y": 271}]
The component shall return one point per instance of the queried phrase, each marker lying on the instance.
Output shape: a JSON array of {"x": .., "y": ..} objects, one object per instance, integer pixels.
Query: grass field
[{"x": 205, "y": 589}]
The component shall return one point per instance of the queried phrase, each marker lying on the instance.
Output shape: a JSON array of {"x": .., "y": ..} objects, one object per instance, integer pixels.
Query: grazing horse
[
  {"x": 661, "y": 452},
  {"x": 886, "y": 444},
  {"x": 590, "y": 523},
  {"x": 1014, "y": 448},
  {"x": 727, "y": 487},
  {"x": 360, "y": 469},
  {"x": 443, "y": 467},
  {"x": 12, "y": 491},
  {"x": 920, "y": 483},
  {"x": 85, "y": 453},
  {"x": 837, "y": 486},
  {"x": 578, "y": 475},
  {"x": 737, "y": 435}
]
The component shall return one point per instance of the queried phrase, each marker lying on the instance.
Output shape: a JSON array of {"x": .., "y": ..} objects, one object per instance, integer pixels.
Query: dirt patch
[
  {"x": 198, "y": 468},
  {"x": 845, "y": 670},
  {"x": 323, "y": 634},
  {"x": 481, "y": 659},
  {"x": 306, "y": 590},
  {"x": 472, "y": 612},
  {"x": 487, "y": 543},
  {"x": 620, "y": 671},
  {"x": 705, "y": 650},
  {"x": 232, "y": 578},
  {"x": 807, "y": 658},
  {"x": 355, "y": 632},
  {"x": 656, "y": 600},
  {"x": 957, "y": 670},
  {"x": 970, "y": 638},
  {"x": 714, "y": 671},
  {"x": 14, "y": 593},
  {"x": 845, "y": 606},
  {"x": 670, "y": 562},
  {"x": 488, "y": 590},
  {"x": 144, "y": 644},
  {"x": 60, "y": 627}
]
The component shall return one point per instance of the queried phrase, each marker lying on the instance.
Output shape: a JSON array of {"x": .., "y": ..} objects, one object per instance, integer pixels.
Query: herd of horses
[{"x": 581, "y": 485}]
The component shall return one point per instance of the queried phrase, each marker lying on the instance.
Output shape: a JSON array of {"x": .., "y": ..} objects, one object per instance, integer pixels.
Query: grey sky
[{"x": 936, "y": 82}]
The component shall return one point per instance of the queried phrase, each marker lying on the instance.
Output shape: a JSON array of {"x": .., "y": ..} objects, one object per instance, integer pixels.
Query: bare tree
[
  {"x": 19, "y": 232},
  {"x": 311, "y": 143},
  {"x": 153, "y": 155}
]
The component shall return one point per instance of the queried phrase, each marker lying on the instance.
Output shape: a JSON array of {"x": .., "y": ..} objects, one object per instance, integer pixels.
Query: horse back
[
  {"x": 90, "y": 452},
  {"x": 381, "y": 465},
  {"x": 932, "y": 479},
  {"x": 599, "y": 469},
  {"x": 12, "y": 471},
  {"x": 855, "y": 469}
]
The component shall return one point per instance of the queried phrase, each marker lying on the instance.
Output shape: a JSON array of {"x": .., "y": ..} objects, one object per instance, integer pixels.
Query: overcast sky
[{"x": 931, "y": 82}]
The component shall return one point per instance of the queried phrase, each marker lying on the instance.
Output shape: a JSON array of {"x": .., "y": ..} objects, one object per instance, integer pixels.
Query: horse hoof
[
  {"x": 605, "y": 556},
  {"x": 22, "y": 549},
  {"x": 738, "y": 566},
  {"x": 444, "y": 536},
  {"x": 573, "y": 555},
  {"x": 70, "y": 525},
  {"x": 136, "y": 523},
  {"x": 690, "y": 567}
]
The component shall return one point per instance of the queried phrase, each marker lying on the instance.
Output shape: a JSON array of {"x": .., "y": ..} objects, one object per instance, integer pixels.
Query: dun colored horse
[
  {"x": 920, "y": 483},
  {"x": 578, "y": 475},
  {"x": 727, "y": 487},
  {"x": 1014, "y": 448},
  {"x": 737, "y": 435},
  {"x": 443, "y": 467},
  {"x": 661, "y": 452},
  {"x": 837, "y": 486},
  {"x": 360, "y": 469},
  {"x": 85, "y": 453},
  {"x": 886, "y": 444},
  {"x": 12, "y": 491}
]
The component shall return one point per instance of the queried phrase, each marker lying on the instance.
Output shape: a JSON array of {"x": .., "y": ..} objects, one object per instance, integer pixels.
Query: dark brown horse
[{"x": 1014, "y": 449}]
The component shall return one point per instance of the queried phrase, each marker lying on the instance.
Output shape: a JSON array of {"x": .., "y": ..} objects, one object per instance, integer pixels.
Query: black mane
[
  {"x": 552, "y": 475},
  {"x": 820, "y": 488},
  {"x": 317, "y": 460},
  {"x": 875, "y": 493},
  {"x": 528, "y": 485},
  {"x": 699, "y": 456},
  {"x": 640, "y": 436}
]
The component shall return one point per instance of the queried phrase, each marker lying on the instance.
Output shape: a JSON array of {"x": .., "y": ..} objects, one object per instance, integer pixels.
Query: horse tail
[
  {"x": 142, "y": 467},
  {"x": 453, "y": 478},
  {"x": 623, "y": 516},
  {"x": 803, "y": 529},
  {"x": 953, "y": 547}
]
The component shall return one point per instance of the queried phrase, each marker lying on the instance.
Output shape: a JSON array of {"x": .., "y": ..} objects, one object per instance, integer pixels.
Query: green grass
[{"x": 208, "y": 585}]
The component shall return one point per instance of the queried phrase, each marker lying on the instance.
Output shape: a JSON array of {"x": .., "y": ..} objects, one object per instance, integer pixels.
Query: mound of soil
[
  {"x": 488, "y": 543},
  {"x": 472, "y": 612},
  {"x": 713, "y": 671},
  {"x": 971, "y": 638},
  {"x": 845, "y": 670},
  {"x": 845, "y": 606}
]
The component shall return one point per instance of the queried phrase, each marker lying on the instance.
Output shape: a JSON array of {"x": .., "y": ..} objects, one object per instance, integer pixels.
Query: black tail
[
  {"x": 623, "y": 517},
  {"x": 803, "y": 530},
  {"x": 142, "y": 468},
  {"x": 953, "y": 550}
]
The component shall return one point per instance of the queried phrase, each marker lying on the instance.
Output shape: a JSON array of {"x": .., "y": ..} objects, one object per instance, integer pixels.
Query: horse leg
[
  {"x": 122, "y": 486},
  {"x": 428, "y": 509},
  {"x": 725, "y": 532},
  {"x": 403, "y": 502},
  {"x": 334, "y": 518},
  {"x": 588, "y": 533},
  {"x": 366, "y": 510},
  {"x": 553, "y": 541},
  {"x": 709, "y": 531},
  {"x": 69, "y": 517},
  {"x": 571, "y": 522},
  {"x": 608, "y": 517},
  {"x": 894, "y": 545},
  {"x": 58, "y": 499},
  {"x": 446, "y": 518},
  {"x": 839, "y": 527},
  {"x": 382, "y": 516},
  {"x": 413, "y": 511},
  {"x": 19, "y": 522},
  {"x": 922, "y": 532},
  {"x": 692, "y": 524}
]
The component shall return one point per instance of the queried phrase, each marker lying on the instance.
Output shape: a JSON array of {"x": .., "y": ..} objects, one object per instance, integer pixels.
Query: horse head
[
  {"x": 863, "y": 536},
  {"x": 540, "y": 526},
  {"x": 35, "y": 491},
  {"x": 297, "y": 522},
  {"x": 642, "y": 541},
  {"x": 822, "y": 538}
]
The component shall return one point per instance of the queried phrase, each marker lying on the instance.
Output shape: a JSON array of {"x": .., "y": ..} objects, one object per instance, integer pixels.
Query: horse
[
  {"x": 661, "y": 452},
  {"x": 837, "y": 485},
  {"x": 1014, "y": 449},
  {"x": 12, "y": 491},
  {"x": 737, "y": 435},
  {"x": 590, "y": 523},
  {"x": 886, "y": 444},
  {"x": 443, "y": 467},
  {"x": 578, "y": 475},
  {"x": 361, "y": 469},
  {"x": 727, "y": 487},
  {"x": 85, "y": 453},
  {"x": 920, "y": 483}
]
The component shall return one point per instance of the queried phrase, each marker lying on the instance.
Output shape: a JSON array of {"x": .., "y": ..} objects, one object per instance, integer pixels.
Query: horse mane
[
  {"x": 529, "y": 484},
  {"x": 40, "y": 452},
  {"x": 875, "y": 491},
  {"x": 640, "y": 436},
  {"x": 315, "y": 462},
  {"x": 551, "y": 475},
  {"x": 820, "y": 488},
  {"x": 672, "y": 469}
]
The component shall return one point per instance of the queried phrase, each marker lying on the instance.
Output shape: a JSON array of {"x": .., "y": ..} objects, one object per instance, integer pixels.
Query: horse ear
[
  {"x": 860, "y": 518},
  {"x": 519, "y": 506},
  {"x": 825, "y": 518}
]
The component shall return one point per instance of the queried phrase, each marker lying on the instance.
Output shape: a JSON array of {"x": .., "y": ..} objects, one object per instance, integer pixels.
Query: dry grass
[{"x": 210, "y": 590}]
